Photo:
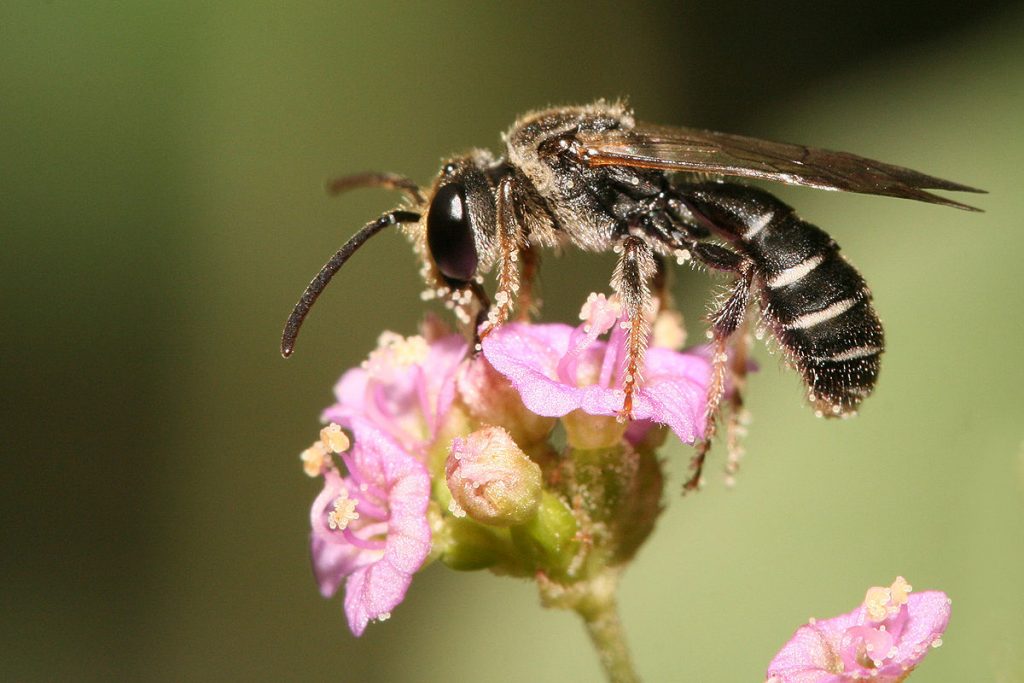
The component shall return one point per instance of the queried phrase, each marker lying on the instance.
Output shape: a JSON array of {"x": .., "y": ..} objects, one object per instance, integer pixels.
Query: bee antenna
[
  {"x": 319, "y": 283},
  {"x": 389, "y": 181}
]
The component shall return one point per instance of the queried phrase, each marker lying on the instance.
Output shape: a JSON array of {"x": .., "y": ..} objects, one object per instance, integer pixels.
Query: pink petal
[
  {"x": 928, "y": 618},
  {"x": 401, "y": 399},
  {"x": 373, "y": 592},
  {"x": 377, "y": 579},
  {"x": 528, "y": 355},
  {"x": 673, "y": 393},
  {"x": 332, "y": 562},
  {"x": 810, "y": 656}
]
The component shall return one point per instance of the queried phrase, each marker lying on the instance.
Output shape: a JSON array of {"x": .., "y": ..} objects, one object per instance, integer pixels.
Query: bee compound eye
[{"x": 450, "y": 235}]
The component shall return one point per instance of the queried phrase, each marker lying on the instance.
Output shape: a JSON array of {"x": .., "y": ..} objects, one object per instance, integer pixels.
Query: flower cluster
[
  {"x": 883, "y": 640},
  {"x": 517, "y": 459},
  {"x": 513, "y": 459}
]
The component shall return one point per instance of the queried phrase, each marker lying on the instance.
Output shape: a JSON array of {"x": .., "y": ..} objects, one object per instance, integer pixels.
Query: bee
[{"x": 594, "y": 178}]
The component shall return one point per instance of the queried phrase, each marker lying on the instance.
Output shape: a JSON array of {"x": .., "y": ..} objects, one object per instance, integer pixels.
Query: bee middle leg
[{"x": 633, "y": 273}]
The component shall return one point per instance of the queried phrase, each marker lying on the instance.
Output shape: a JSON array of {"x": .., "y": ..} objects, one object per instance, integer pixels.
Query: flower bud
[{"x": 491, "y": 479}]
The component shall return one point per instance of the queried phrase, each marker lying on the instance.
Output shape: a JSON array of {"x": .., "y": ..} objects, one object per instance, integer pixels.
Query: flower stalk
[{"x": 594, "y": 600}]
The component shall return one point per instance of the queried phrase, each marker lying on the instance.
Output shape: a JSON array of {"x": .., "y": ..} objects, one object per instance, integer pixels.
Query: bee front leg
[
  {"x": 633, "y": 273},
  {"x": 510, "y": 242}
]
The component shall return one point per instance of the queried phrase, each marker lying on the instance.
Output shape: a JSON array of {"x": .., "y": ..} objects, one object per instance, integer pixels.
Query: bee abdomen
[{"x": 814, "y": 302}]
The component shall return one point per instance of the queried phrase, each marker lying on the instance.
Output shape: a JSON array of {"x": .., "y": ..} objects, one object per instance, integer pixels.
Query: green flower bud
[
  {"x": 491, "y": 479},
  {"x": 549, "y": 541}
]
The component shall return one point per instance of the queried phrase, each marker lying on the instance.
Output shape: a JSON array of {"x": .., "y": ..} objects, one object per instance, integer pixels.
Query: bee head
[{"x": 461, "y": 219}]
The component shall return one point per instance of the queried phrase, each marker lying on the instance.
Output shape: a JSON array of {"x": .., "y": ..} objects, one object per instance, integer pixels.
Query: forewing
[{"x": 702, "y": 151}]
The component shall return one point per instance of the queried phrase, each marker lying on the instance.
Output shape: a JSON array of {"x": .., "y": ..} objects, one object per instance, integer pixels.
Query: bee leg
[
  {"x": 724, "y": 323},
  {"x": 510, "y": 237},
  {"x": 662, "y": 284},
  {"x": 736, "y": 427},
  {"x": 483, "y": 311},
  {"x": 635, "y": 269},
  {"x": 528, "y": 303}
]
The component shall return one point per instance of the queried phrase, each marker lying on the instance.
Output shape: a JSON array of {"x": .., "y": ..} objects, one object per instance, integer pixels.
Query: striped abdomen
[{"x": 815, "y": 303}]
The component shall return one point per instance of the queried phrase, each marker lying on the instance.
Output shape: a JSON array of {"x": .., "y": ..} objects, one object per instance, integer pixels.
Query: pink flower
[
  {"x": 370, "y": 527},
  {"x": 404, "y": 389},
  {"x": 882, "y": 640},
  {"x": 558, "y": 369}
]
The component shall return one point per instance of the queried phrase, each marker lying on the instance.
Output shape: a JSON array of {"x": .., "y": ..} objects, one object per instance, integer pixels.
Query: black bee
[{"x": 594, "y": 178}]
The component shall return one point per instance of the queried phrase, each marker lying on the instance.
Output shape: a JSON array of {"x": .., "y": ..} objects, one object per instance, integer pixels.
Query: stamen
[
  {"x": 344, "y": 512},
  {"x": 313, "y": 459},
  {"x": 334, "y": 439},
  {"x": 362, "y": 542}
]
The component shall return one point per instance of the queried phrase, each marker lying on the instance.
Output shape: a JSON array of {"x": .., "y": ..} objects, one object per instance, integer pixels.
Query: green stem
[
  {"x": 594, "y": 600},
  {"x": 606, "y": 633}
]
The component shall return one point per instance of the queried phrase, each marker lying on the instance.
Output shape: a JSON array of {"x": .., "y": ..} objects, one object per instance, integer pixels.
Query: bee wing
[{"x": 670, "y": 148}]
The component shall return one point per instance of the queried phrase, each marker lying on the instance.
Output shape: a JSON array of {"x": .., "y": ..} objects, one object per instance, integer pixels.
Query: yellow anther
[
  {"x": 344, "y": 512},
  {"x": 313, "y": 459},
  {"x": 334, "y": 439}
]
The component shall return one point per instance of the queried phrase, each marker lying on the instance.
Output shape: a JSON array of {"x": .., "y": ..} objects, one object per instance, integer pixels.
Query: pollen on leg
[{"x": 635, "y": 343}]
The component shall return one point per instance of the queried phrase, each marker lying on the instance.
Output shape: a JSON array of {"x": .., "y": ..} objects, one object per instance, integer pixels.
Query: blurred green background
[{"x": 161, "y": 207}]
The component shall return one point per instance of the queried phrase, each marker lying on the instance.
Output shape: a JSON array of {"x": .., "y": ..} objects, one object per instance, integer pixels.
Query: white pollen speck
[{"x": 456, "y": 509}]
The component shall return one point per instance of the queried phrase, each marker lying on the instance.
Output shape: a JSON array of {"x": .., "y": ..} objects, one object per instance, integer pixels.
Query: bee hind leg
[{"x": 727, "y": 318}]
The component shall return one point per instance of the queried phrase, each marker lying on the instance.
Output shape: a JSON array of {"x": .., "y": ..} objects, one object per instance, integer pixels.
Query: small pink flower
[
  {"x": 558, "y": 369},
  {"x": 883, "y": 640},
  {"x": 370, "y": 527},
  {"x": 404, "y": 389}
]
